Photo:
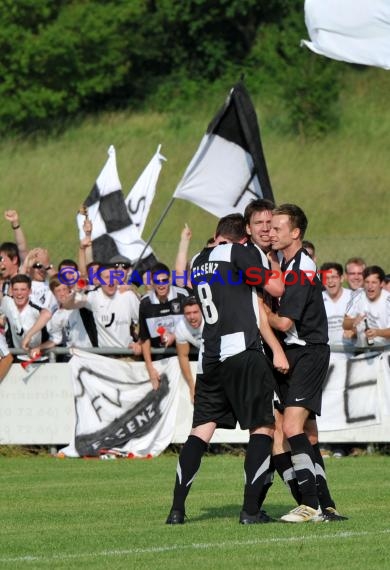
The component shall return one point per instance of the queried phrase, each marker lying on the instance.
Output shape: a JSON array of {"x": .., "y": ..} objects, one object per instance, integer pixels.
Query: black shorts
[
  {"x": 302, "y": 386},
  {"x": 239, "y": 389}
]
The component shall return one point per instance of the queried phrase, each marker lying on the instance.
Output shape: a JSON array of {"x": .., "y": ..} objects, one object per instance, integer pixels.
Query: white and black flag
[
  {"x": 113, "y": 230},
  {"x": 229, "y": 168}
]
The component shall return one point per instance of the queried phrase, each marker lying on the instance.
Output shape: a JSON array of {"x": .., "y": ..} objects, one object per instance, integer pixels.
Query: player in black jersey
[
  {"x": 302, "y": 318},
  {"x": 234, "y": 380}
]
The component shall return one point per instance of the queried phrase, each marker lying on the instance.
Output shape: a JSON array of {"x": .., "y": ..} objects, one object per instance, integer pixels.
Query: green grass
[
  {"x": 110, "y": 514},
  {"x": 341, "y": 181}
]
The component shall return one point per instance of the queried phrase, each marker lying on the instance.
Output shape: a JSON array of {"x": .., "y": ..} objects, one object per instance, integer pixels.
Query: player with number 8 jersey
[{"x": 234, "y": 382}]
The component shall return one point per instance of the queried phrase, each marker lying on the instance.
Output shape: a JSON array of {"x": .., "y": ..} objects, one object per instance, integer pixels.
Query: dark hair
[
  {"x": 67, "y": 263},
  {"x": 332, "y": 265},
  {"x": 190, "y": 301},
  {"x": 257, "y": 205},
  {"x": 308, "y": 245},
  {"x": 296, "y": 215},
  {"x": 10, "y": 249},
  {"x": 55, "y": 282},
  {"x": 232, "y": 227},
  {"x": 374, "y": 270},
  {"x": 21, "y": 278}
]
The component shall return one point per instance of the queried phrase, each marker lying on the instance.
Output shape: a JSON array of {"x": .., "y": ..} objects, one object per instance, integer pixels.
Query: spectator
[
  {"x": 160, "y": 310},
  {"x": 38, "y": 267},
  {"x": 12, "y": 216},
  {"x": 368, "y": 313},
  {"x": 66, "y": 327},
  {"x": 336, "y": 300},
  {"x": 9, "y": 264},
  {"x": 113, "y": 311},
  {"x": 188, "y": 333},
  {"x": 354, "y": 268},
  {"x": 5, "y": 356},
  {"x": 27, "y": 322},
  {"x": 386, "y": 285},
  {"x": 310, "y": 248},
  {"x": 182, "y": 269}
]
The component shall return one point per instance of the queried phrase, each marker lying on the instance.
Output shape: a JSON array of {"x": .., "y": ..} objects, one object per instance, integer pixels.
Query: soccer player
[
  {"x": 234, "y": 380},
  {"x": 188, "y": 333},
  {"x": 302, "y": 318}
]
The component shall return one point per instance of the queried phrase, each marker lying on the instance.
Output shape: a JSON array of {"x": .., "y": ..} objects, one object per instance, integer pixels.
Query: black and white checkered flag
[{"x": 113, "y": 231}]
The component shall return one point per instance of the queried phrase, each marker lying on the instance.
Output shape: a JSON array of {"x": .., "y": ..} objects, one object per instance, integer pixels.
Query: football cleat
[
  {"x": 259, "y": 518},
  {"x": 175, "y": 517},
  {"x": 331, "y": 515},
  {"x": 301, "y": 514}
]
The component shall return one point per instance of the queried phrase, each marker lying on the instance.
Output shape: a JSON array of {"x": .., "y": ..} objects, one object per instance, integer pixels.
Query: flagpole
[{"x": 155, "y": 230}]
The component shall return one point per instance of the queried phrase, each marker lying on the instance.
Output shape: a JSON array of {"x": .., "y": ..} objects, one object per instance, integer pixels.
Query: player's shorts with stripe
[
  {"x": 302, "y": 386},
  {"x": 239, "y": 389}
]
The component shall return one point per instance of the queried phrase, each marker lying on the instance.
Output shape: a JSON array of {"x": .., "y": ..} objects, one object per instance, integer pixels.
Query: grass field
[{"x": 110, "y": 514}]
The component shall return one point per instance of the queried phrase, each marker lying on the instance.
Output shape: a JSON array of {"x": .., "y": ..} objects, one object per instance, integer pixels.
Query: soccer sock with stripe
[
  {"x": 322, "y": 485},
  {"x": 269, "y": 479},
  {"x": 285, "y": 469},
  {"x": 257, "y": 461},
  {"x": 302, "y": 457},
  {"x": 187, "y": 467}
]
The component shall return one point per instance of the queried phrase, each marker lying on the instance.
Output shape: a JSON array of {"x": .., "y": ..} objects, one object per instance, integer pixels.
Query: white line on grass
[{"x": 194, "y": 546}]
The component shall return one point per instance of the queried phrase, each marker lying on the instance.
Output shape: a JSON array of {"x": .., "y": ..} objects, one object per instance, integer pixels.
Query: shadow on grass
[{"x": 233, "y": 511}]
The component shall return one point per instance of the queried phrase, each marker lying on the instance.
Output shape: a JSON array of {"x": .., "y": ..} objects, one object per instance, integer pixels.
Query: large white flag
[
  {"x": 117, "y": 409},
  {"x": 113, "y": 231},
  {"x": 228, "y": 170},
  {"x": 356, "y": 31},
  {"x": 140, "y": 197}
]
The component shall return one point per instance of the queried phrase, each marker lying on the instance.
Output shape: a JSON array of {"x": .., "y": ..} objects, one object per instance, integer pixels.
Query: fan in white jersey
[
  {"x": 368, "y": 313},
  {"x": 38, "y": 267},
  {"x": 113, "y": 311},
  {"x": 66, "y": 327},
  {"x": 5, "y": 357},
  {"x": 188, "y": 333},
  {"x": 336, "y": 300},
  {"x": 26, "y": 321}
]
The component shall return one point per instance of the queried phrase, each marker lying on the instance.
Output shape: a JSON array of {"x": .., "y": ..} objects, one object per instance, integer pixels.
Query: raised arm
[
  {"x": 12, "y": 216},
  {"x": 182, "y": 256}
]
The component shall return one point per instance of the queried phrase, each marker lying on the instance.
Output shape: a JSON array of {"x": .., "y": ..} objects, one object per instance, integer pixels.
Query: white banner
[
  {"x": 117, "y": 409},
  {"x": 38, "y": 407}
]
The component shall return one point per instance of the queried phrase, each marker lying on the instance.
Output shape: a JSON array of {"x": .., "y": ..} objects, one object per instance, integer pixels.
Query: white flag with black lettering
[
  {"x": 141, "y": 196},
  {"x": 117, "y": 409},
  {"x": 356, "y": 31},
  {"x": 228, "y": 169}
]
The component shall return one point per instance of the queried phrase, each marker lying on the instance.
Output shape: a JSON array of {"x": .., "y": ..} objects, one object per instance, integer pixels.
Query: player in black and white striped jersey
[
  {"x": 234, "y": 380},
  {"x": 302, "y": 318}
]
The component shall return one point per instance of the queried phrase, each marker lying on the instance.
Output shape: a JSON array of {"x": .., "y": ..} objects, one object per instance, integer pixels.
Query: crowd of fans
[{"x": 40, "y": 310}]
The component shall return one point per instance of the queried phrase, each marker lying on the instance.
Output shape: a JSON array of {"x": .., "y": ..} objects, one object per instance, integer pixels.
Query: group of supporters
[{"x": 252, "y": 344}]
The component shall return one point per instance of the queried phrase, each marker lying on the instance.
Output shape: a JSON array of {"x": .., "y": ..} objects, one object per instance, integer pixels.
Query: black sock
[
  {"x": 285, "y": 469},
  {"x": 187, "y": 467},
  {"x": 322, "y": 485},
  {"x": 257, "y": 461},
  {"x": 302, "y": 457},
  {"x": 269, "y": 479}
]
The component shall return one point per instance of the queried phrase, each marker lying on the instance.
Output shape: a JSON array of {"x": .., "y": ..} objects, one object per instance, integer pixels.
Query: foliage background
[{"x": 79, "y": 75}]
